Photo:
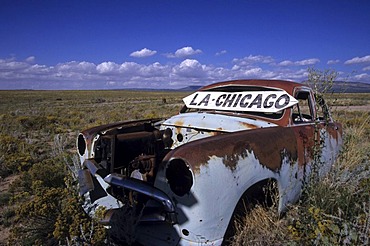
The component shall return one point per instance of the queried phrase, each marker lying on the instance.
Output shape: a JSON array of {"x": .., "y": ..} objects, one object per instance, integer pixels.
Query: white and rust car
[{"x": 179, "y": 181}]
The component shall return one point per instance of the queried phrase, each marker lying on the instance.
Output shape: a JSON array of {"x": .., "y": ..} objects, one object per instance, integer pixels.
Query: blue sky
[{"x": 176, "y": 43}]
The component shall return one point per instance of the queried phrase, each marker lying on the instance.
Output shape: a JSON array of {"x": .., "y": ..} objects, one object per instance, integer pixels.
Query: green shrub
[
  {"x": 4, "y": 198},
  {"x": 7, "y": 216}
]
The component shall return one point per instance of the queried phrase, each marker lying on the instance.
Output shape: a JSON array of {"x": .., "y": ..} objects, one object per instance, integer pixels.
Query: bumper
[{"x": 94, "y": 183}]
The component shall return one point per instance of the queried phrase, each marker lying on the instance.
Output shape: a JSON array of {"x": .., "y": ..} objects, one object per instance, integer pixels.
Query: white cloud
[
  {"x": 187, "y": 51},
  {"x": 184, "y": 52},
  {"x": 361, "y": 77},
  {"x": 356, "y": 60},
  {"x": 286, "y": 63},
  {"x": 87, "y": 75},
  {"x": 128, "y": 67},
  {"x": 332, "y": 62},
  {"x": 76, "y": 66},
  {"x": 30, "y": 59},
  {"x": 143, "y": 53},
  {"x": 253, "y": 72},
  {"x": 155, "y": 70},
  {"x": 111, "y": 83},
  {"x": 306, "y": 62},
  {"x": 222, "y": 52},
  {"x": 107, "y": 67},
  {"x": 12, "y": 64},
  {"x": 37, "y": 70},
  {"x": 190, "y": 63},
  {"x": 251, "y": 59},
  {"x": 189, "y": 68},
  {"x": 269, "y": 75}
]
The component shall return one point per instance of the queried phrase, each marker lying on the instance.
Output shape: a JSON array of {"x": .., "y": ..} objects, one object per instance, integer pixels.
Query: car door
[{"x": 318, "y": 137}]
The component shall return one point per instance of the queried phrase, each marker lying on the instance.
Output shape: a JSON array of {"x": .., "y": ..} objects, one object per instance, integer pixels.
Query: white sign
[{"x": 256, "y": 101}]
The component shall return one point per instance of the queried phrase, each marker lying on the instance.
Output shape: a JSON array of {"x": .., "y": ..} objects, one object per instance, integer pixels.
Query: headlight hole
[
  {"x": 81, "y": 145},
  {"x": 179, "y": 177}
]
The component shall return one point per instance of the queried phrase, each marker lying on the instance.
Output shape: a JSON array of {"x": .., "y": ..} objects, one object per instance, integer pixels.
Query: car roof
[{"x": 288, "y": 86}]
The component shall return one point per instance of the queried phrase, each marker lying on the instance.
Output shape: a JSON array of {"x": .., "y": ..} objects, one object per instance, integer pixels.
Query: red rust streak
[{"x": 249, "y": 126}]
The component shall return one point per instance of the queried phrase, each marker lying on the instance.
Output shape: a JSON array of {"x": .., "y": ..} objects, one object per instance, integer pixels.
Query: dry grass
[{"x": 262, "y": 227}]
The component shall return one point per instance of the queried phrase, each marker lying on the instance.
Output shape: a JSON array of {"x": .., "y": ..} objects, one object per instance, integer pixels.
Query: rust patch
[
  {"x": 305, "y": 136},
  {"x": 249, "y": 126},
  {"x": 334, "y": 130},
  {"x": 217, "y": 132},
  {"x": 305, "y": 143},
  {"x": 269, "y": 145},
  {"x": 178, "y": 125}
]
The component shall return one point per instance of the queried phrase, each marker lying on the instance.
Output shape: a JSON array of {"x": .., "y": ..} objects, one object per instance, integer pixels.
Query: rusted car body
[{"x": 178, "y": 181}]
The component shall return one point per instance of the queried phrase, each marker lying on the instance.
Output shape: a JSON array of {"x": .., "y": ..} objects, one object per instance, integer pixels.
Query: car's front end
[{"x": 131, "y": 169}]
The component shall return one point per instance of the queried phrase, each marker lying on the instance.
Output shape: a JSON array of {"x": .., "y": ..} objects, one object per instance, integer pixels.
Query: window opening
[{"x": 303, "y": 112}]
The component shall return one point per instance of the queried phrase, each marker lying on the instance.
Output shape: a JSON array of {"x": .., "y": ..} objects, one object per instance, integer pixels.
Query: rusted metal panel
[{"x": 267, "y": 145}]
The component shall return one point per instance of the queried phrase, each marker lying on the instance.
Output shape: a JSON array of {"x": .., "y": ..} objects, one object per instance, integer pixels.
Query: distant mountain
[
  {"x": 349, "y": 87},
  {"x": 190, "y": 88},
  {"x": 338, "y": 87}
]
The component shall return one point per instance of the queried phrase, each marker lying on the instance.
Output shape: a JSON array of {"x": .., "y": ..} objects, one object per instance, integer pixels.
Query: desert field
[{"x": 38, "y": 198}]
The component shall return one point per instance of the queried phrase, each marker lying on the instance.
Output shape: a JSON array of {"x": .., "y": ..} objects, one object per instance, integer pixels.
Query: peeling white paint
[{"x": 330, "y": 151}]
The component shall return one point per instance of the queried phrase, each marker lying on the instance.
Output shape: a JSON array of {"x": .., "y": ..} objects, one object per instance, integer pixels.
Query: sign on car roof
[{"x": 252, "y": 101}]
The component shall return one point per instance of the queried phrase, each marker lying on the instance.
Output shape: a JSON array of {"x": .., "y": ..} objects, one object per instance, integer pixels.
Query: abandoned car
[{"x": 180, "y": 180}]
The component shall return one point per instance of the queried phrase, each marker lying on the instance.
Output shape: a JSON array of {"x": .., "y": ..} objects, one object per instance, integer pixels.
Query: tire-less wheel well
[{"x": 264, "y": 193}]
